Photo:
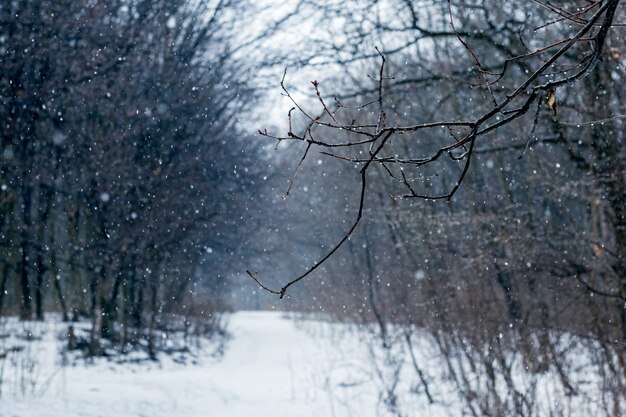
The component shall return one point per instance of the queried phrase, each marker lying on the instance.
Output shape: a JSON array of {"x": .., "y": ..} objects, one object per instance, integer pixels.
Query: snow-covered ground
[{"x": 271, "y": 367}]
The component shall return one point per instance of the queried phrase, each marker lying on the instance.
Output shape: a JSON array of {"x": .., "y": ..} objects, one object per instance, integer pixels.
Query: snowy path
[{"x": 270, "y": 368}]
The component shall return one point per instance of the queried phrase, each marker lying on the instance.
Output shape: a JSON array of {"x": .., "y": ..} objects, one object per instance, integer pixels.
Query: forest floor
[{"x": 271, "y": 366}]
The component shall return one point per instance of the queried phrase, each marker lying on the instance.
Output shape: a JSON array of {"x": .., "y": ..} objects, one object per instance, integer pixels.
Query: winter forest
[{"x": 312, "y": 208}]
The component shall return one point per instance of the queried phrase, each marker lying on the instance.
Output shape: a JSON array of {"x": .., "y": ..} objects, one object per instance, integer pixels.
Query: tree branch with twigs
[{"x": 508, "y": 102}]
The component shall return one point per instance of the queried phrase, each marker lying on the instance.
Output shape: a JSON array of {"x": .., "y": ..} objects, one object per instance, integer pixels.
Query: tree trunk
[
  {"x": 57, "y": 287},
  {"x": 75, "y": 232},
  {"x": 96, "y": 317},
  {"x": 3, "y": 283},
  {"x": 24, "y": 273},
  {"x": 41, "y": 270},
  {"x": 45, "y": 206},
  {"x": 155, "y": 284}
]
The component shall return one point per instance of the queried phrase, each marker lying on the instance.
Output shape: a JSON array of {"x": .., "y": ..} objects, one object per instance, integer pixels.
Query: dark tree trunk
[
  {"x": 76, "y": 301},
  {"x": 24, "y": 273},
  {"x": 154, "y": 284},
  {"x": 3, "y": 283},
  {"x": 96, "y": 317},
  {"x": 41, "y": 270},
  {"x": 609, "y": 171},
  {"x": 57, "y": 287}
]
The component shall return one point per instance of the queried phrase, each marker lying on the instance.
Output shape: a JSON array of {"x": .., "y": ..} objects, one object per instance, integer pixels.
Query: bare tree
[
  {"x": 119, "y": 131},
  {"x": 523, "y": 259},
  {"x": 576, "y": 56}
]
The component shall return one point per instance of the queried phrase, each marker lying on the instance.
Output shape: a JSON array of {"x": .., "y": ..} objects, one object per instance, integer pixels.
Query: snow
[
  {"x": 171, "y": 22},
  {"x": 270, "y": 368}
]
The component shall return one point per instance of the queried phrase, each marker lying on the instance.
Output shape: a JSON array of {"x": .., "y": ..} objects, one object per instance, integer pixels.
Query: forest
[{"x": 441, "y": 182}]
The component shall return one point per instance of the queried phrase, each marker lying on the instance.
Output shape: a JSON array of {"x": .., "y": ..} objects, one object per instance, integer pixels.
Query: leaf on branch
[
  {"x": 552, "y": 102},
  {"x": 616, "y": 54},
  {"x": 597, "y": 250}
]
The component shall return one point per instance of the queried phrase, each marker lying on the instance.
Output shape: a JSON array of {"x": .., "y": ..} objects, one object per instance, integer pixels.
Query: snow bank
[{"x": 270, "y": 368}]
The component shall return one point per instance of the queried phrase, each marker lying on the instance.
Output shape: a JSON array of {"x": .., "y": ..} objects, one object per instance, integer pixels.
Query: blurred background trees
[
  {"x": 529, "y": 253},
  {"x": 119, "y": 148}
]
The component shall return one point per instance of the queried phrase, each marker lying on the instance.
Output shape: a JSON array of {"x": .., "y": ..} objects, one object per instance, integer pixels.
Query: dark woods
[{"x": 112, "y": 165}]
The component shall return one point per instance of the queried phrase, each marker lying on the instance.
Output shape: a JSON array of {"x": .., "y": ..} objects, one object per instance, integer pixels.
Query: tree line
[
  {"x": 118, "y": 134},
  {"x": 482, "y": 150}
]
